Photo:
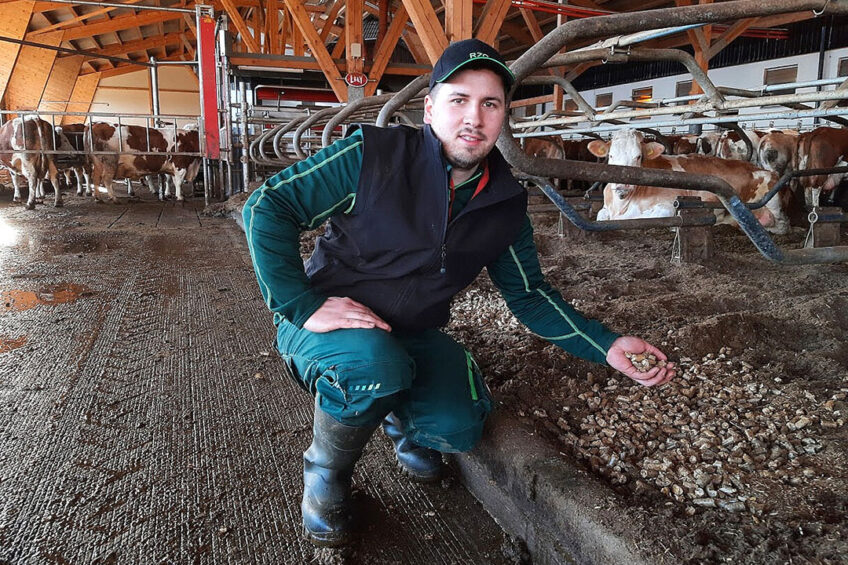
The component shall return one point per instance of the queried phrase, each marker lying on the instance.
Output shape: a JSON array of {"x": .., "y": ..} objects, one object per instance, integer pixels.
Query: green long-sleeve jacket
[{"x": 304, "y": 195}]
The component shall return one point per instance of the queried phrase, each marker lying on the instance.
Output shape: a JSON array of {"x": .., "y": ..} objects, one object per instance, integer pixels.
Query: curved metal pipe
[
  {"x": 402, "y": 97},
  {"x": 308, "y": 124},
  {"x": 631, "y": 22},
  {"x": 275, "y": 145},
  {"x": 345, "y": 112}
]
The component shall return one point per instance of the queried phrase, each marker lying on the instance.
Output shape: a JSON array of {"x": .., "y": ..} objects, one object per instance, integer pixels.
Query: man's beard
[{"x": 461, "y": 162}]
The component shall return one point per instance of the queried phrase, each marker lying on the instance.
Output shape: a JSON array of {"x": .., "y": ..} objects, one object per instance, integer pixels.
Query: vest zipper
[
  {"x": 443, "y": 251},
  {"x": 444, "y": 255}
]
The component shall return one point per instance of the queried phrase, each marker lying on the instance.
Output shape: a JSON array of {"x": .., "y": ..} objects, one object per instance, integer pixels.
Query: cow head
[{"x": 626, "y": 149}]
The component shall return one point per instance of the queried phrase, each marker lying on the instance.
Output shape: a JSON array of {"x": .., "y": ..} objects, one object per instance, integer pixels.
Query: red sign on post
[
  {"x": 356, "y": 79},
  {"x": 206, "y": 49}
]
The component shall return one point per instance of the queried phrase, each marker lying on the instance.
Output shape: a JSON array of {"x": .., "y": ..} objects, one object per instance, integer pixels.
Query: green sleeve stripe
[
  {"x": 520, "y": 268},
  {"x": 266, "y": 188},
  {"x": 567, "y": 319},
  {"x": 323, "y": 215},
  {"x": 473, "y": 388},
  {"x": 576, "y": 332}
]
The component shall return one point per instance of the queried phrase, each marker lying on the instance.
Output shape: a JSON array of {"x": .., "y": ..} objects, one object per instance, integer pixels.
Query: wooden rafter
[
  {"x": 117, "y": 24},
  {"x": 491, "y": 19},
  {"x": 241, "y": 26},
  {"x": 729, "y": 35},
  {"x": 458, "y": 19},
  {"x": 341, "y": 43},
  {"x": 332, "y": 14},
  {"x": 272, "y": 21},
  {"x": 301, "y": 18},
  {"x": 139, "y": 45},
  {"x": 79, "y": 18},
  {"x": 416, "y": 47},
  {"x": 428, "y": 27},
  {"x": 532, "y": 24},
  {"x": 296, "y": 38},
  {"x": 388, "y": 45}
]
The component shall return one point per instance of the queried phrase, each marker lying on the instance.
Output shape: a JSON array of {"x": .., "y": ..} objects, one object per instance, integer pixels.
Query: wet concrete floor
[{"x": 145, "y": 418}]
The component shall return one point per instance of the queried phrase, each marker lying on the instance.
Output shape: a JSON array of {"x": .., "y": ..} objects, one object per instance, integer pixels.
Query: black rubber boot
[
  {"x": 419, "y": 463},
  {"x": 327, "y": 471}
]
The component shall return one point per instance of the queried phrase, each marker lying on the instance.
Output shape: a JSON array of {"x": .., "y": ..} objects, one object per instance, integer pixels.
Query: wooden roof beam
[
  {"x": 139, "y": 45},
  {"x": 428, "y": 27},
  {"x": 458, "y": 19},
  {"x": 354, "y": 46},
  {"x": 301, "y": 18},
  {"x": 241, "y": 26},
  {"x": 387, "y": 47},
  {"x": 118, "y": 24},
  {"x": 332, "y": 14},
  {"x": 491, "y": 19}
]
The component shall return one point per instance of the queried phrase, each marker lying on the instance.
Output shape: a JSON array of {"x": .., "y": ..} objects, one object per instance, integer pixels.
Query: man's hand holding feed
[
  {"x": 343, "y": 313},
  {"x": 618, "y": 359}
]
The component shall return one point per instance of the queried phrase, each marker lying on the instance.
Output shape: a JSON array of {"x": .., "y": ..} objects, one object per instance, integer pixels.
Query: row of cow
[
  {"x": 751, "y": 173},
  {"x": 97, "y": 154}
]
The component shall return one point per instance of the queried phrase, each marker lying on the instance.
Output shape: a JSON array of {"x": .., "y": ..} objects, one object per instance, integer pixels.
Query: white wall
[
  {"x": 130, "y": 94},
  {"x": 748, "y": 76}
]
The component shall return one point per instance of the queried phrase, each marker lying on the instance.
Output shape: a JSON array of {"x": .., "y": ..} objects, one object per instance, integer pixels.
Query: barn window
[
  {"x": 683, "y": 88},
  {"x": 603, "y": 100},
  {"x": 570, "y": 106},
  {"x": 842, "y": 69},
  {"x": 645, "y": 94},
  {"x": 781, "y": 75}
]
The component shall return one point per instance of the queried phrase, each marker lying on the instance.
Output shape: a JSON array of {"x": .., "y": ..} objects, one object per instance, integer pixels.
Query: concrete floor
[{"x": 145, "y": 417}]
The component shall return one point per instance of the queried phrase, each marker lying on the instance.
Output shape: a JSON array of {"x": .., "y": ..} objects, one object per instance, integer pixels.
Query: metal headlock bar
[
  {"x": 92, "y": 117},
  {"x": 573, "y": 30}
]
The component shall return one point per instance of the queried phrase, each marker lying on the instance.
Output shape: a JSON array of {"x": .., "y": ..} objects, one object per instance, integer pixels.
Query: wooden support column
[
  {"x": 297, "y": 38},
  {"x": 13, "y": 24},
  {"x": 319, "y": 51},
  {"x": 428, "y": 27},
  {"x": 272, "y": 19},
  {"x": 353, "y": 36},
  {"x": 60, "y": 84},
  {"x": 458, "y": 20},
  {"x": 700, "y": 38},
  {"x": 387, "y": 48},
  {"x": 31, "y": 72},
  {"x": 491, "y": 19},
  {"x": 81, "y": 97}
]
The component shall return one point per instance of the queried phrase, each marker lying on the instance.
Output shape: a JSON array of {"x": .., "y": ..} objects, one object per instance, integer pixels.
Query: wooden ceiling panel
[
  {"x": 60, "y": 84},
  {"x": 16, "y": 16},
  {"x": 31, "y": 72}
]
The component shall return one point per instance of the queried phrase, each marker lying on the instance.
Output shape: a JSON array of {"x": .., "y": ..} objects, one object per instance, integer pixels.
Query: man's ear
[
  {"x": 599, "y": 148},
  {"x": 428, "y": 109}
]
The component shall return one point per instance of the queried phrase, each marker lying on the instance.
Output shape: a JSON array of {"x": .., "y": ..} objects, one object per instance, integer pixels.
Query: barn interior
[{"x": 147, "y": 417}]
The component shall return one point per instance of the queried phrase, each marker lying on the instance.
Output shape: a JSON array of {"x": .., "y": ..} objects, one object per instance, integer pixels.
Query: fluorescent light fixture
[{"x": 270, "y": 69}]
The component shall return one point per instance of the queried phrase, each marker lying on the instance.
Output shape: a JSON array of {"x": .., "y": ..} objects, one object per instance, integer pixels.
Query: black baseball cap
[{"x": 467, "y": 52}]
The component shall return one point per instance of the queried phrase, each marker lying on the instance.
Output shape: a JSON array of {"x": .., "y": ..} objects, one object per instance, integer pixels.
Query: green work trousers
[{"x": 426, "y": 378}]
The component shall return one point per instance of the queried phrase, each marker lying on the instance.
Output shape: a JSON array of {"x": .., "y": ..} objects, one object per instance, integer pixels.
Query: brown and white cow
[
  {"x": 137, "y": 151},
  {"x": 822, "y": 148},
  {"x": 623, "y": 201},
  {"x": 21, "y": 139},
  {"x": 730, "y": 145},
  {"x": 71, "y": 140}
]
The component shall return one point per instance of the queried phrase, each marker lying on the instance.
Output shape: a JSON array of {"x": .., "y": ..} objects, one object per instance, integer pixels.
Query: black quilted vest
[{"x": 395, "y": 251}]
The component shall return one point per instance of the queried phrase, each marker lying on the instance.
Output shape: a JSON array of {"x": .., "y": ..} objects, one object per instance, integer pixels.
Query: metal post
[
  {"x": 154, "y": 88},
  {"x": 245, "y": 159}
]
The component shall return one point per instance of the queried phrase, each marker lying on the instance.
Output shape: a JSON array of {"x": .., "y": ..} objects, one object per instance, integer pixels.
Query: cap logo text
[{"x": 476, "y": 55}]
